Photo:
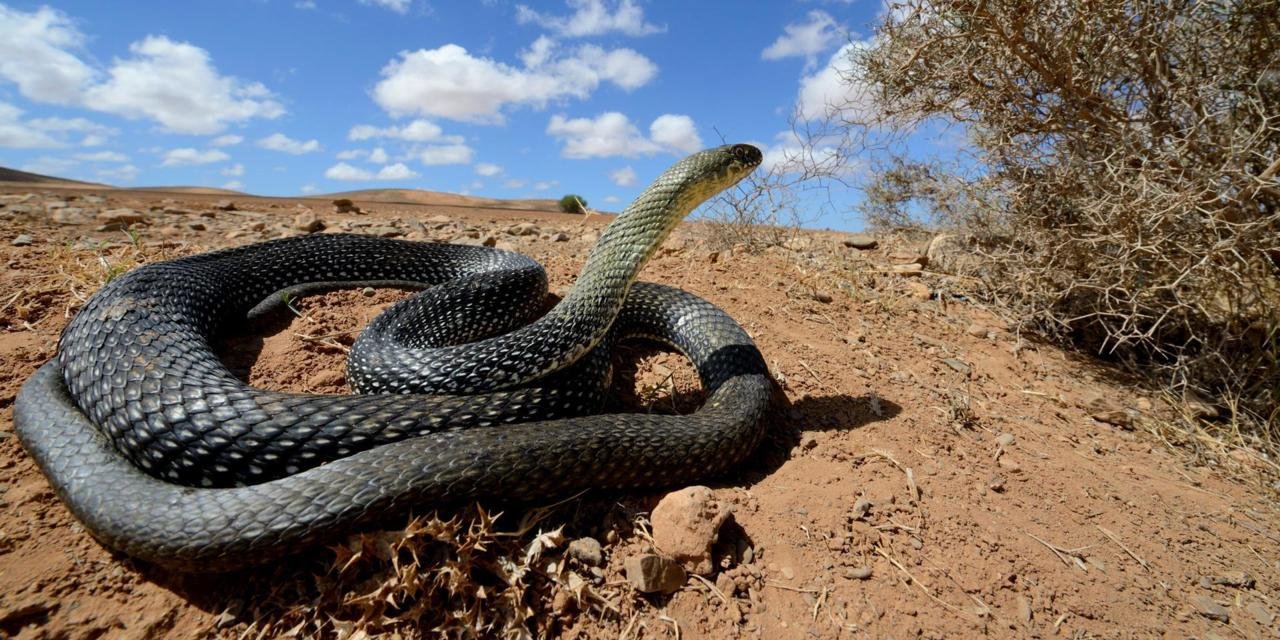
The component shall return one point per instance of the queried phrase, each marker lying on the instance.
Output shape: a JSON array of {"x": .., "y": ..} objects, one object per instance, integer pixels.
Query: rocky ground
[{"x": 930, "y": 472}]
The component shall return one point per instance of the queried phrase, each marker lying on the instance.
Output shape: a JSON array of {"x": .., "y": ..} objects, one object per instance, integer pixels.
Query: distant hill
[
  {"x": 418, "y": 196},
  {"x": 13, "y": 175},
  {"x": 206, "y": 191}
]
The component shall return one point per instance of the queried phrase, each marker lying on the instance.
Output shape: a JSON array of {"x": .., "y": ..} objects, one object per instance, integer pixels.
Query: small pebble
[
  {"x": 367, "y": 291},
  {"x": 1005, "y": 440},
  {"x": 788, "y": 573},
  {"x": 1206, "y": 607},
  {"x": 23, "y": 240},
  {"x": 858, "y": 573}
]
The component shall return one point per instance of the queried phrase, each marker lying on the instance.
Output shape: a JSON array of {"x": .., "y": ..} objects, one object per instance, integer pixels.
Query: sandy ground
[{"x": 932, "y": 474}]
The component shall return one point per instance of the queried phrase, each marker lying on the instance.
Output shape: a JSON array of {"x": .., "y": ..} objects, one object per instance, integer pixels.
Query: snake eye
[{"x": 747, "y": 153}]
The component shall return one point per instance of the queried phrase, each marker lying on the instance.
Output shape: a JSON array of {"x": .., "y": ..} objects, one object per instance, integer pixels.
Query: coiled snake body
[{"x": 164, "y": 454}]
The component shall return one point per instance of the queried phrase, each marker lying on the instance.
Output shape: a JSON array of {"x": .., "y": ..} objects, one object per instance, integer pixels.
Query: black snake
[{"x": 165, "y": 455}]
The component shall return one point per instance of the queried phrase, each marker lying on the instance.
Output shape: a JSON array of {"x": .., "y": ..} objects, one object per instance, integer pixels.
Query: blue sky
[{"x": 499, "y": 99}]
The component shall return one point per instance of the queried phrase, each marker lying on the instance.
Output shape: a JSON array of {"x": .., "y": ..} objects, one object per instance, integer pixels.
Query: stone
[
  {"x": 908, "y": 270},
  {"x": 860, "y": 241},
  {"x": 823, "y": 297},
  {"x": 345, "y": 205},
  {"x": 861, "y": 508},
  {"x": 1117, "y": 417},
  {"x": 127, "y": 216},
  {"x": 438, "y": 220},
  {"x": 23, "y": 240},
  {"x": 68, "y": 215},
  {"x": 652, "y": 573},
  {"x": 196, "y": 226},
  {"x": 486, "y": 241},
  {"x": 907, "y": 257},
  {"x": 523, "y": 229},
  {"x": 559, "y": 236},
  {"x": 920, "y": 291},
  {"x": 1024, "y": 609},
  {"x": 978, "y": 330},
  {"x": 224, "y": 205},
  {"x": 686, "y": 524},
  {"x": 1006, "y": 439},
  {"x": 587, "y": 551},
  {"x": 858, "y": 573},
  {"x": 957, "y": 365},
  {"x": 1206, "y": 607},
  {"x": 308, "y": 222}
]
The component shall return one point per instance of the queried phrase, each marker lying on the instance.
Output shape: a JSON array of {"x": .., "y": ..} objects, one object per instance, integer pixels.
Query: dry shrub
[
  {"x": 1122, "y": 182},
  {"x": 467, "y": 576}
]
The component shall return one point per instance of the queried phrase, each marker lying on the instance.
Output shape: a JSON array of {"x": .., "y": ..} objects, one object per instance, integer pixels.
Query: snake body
[{"x": 165, "y": 455}]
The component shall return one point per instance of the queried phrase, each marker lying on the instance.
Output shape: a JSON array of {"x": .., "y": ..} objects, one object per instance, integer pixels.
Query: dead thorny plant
[
  {"x": 1123, "y": 183},
  {"x": 463, "y": 576}
]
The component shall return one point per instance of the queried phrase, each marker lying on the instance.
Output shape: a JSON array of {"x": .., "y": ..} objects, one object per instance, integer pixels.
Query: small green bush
[{"x": 573, "y": 203}]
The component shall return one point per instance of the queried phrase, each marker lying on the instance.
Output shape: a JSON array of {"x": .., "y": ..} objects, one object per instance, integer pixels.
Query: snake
[{"x": 462, "y": 391}]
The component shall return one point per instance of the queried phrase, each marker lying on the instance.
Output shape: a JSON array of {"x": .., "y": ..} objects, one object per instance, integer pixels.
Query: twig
[
  {"x": 915, "y": 581},
  {"x": 1127, "y": 550},
  {"x": 790, "y": 588},
  {"x": 1063, "y": 554}
]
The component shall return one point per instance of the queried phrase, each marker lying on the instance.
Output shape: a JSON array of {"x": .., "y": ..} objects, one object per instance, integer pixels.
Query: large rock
[
  {"x": 860, "y": 241},
  {"x": 686, "y": 524},
  {"x": 308, "y": 222},
  {"x": 124, "y": 216}
]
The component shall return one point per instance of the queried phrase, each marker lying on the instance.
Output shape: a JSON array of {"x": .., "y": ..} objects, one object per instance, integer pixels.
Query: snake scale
[{"x": 462, "y": 392}]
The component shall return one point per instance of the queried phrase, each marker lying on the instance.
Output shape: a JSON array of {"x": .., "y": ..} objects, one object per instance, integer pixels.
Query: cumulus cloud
[
  {"x": 513, "y": 183},
  {"x": 545, "y": 185},
  {"x": 233, "y": 171},
  {"x": 829, "y": 89},
  {"x": 416, "y": 131},
  {"x": 397, "y": 171},
  {"x": 592, "y": 18},
  {"x": 804, "y": 39},
  {"x": 449, "y": 82},
  {"x": 47, "y": 133},
  {"x": 349, "y": 173},
  {"x": 34, "y": 54},
  {"x": 624, "y": 177},
  {"x": 101, "y": 156},
  {"x": 285, "y": 144},
  {"x": 378, "y": 156},
  {"x": 344, "y": 171},
  {"x": 675, "y": 132},
  {"x": 352, "y": 154},
  {"x": 122, "y": 173},
  {"x": 175, "y": 84},
  {"x": 189, "y": 156},
  {"x": 233, "y": 185},
  {"x": 172, "y": 83},
  {"x": 612, "y": 134},
  {"x": 227, "y": 140},
  {"x": 488, "y": 169},
  {"x": 444, "y": 154},
  {"x": 398, "y": 6}
]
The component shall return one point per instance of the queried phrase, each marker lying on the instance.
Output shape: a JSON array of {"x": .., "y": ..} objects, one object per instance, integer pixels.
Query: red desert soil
[{"x": 939, "y": 475}]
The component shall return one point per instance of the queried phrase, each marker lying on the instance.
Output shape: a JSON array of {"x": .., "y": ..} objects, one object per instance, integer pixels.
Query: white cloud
[
  {"x": 122, "y": 173},
  {"x": 47, "y": 133},
  {"x": 624, "y": 177},
  {"x": 101, "y": 156},
  {"x": 305, "y": 5},
  {"x": 285, "y": 144},
  {"x": 612, "y": 199},
  {"x": 397, "y": 171},
  {"x": 835, "y": 88},
  {"x": 233, "y": 185},
  {"x": 444, "y": 154},
  {"x": 398, "y": 6},
  {"x": 187, "y": 155},
  {"x": 488, "y": 169},
  {"x": 49, "y": 166},
  {"x": 804, "y": 39},
  {"x": 612, "y": 134},
  {"x": 592, "y": 18},
  {"x": 175, "y": 84},
  {"x": 675, "y": 132},
  {"x": 344, "y": 171},
  {"x": 513, "y": 183},
  {"x": 352, "y": 154},
  {"x": 449, "y": 82},
  {"x": 233, "y": 171},
  {"x": 545, "y": 185},
  {"x": 16, "y": 134},
  {"x": 228, "y": 140},
  {"x": 34, "y": 55},
  {"x": 378, "y": 156},
  {"x": 308, "y": 188},
  {"x": 416, "y": 131},
  {"x": 172, "y": 83}
]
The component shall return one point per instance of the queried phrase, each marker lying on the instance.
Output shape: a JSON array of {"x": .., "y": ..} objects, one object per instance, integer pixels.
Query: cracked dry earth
[{"x": 936, "y": 475}]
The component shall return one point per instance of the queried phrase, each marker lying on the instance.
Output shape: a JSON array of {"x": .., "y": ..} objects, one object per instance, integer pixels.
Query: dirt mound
[{"x": 929, "y": 473}]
